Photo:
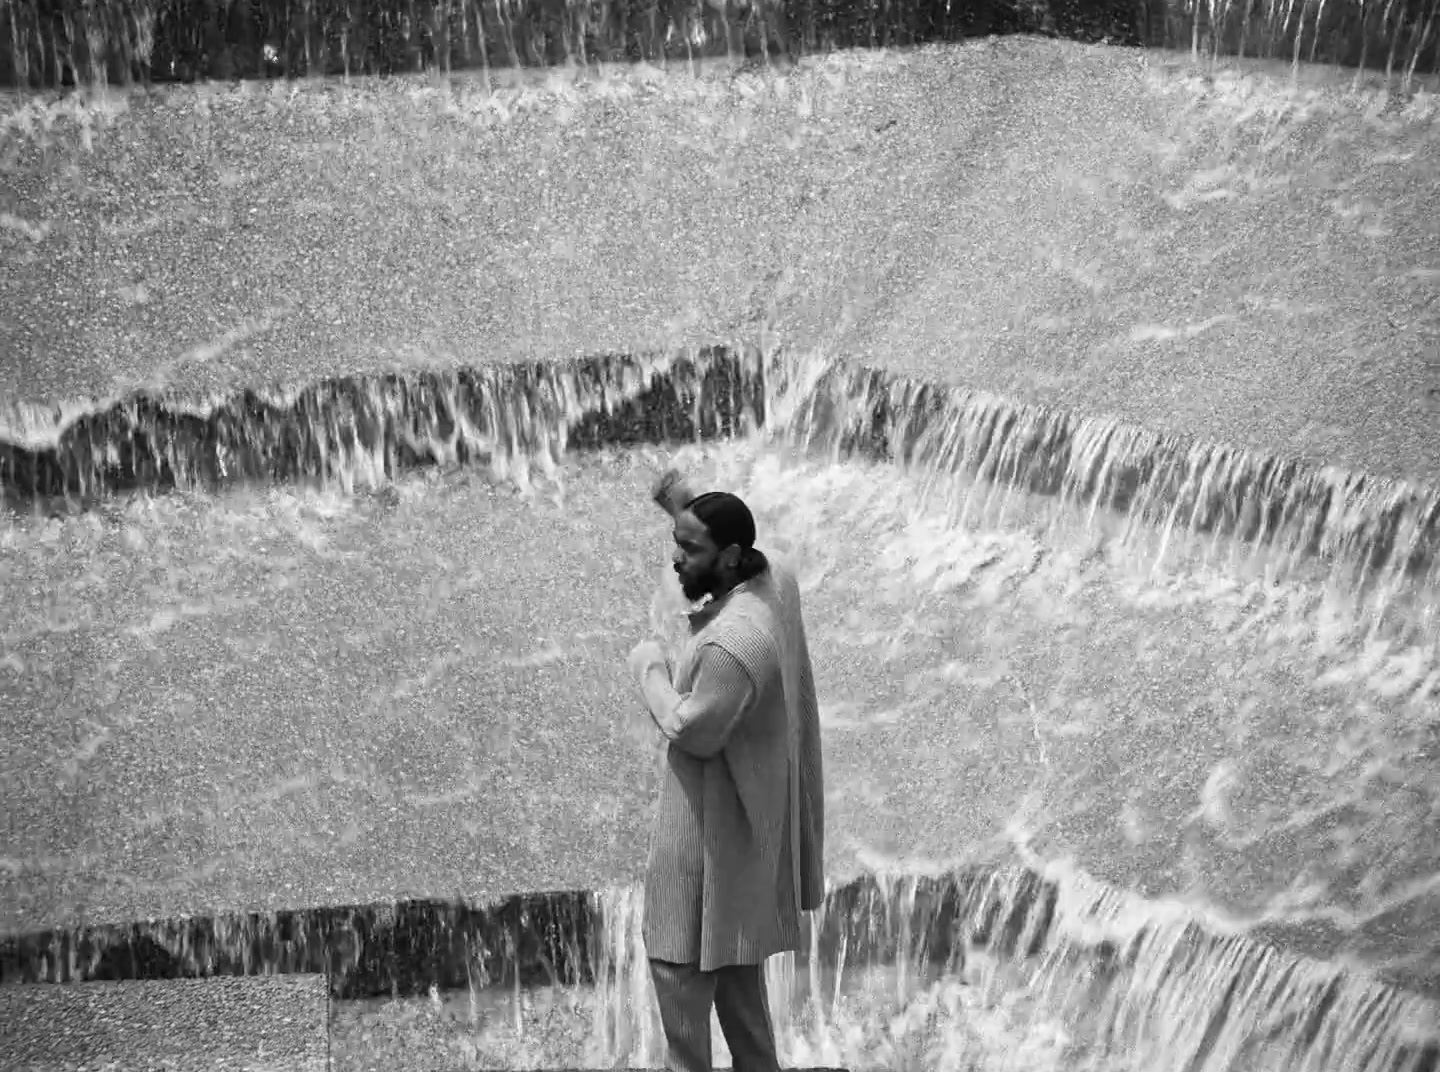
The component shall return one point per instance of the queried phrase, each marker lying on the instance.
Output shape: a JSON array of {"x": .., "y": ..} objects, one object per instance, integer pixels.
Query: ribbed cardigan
[{"x": 737, "y": 849}]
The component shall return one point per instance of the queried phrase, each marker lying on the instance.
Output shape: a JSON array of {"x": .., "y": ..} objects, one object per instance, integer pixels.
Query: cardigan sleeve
[{"x": 700, "y": 722}]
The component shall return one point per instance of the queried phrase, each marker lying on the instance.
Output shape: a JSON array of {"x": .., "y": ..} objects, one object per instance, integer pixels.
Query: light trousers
[{"x": 737, "y": 993}]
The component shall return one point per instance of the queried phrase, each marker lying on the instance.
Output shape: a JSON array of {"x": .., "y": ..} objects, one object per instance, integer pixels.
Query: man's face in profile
[{"x": 697, "y": 561}]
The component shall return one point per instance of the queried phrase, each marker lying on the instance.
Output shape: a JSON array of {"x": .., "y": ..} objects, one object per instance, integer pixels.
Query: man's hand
[
  {"x": 646, "y": 655},
  {"x": 670, "y": 492}
]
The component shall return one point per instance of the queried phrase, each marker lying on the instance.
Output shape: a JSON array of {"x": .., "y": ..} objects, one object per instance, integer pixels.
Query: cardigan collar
[{"x": 704, "y": 612}]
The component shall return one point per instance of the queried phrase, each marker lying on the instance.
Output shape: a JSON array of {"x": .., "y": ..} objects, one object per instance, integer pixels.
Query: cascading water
[
  {"x": 940, "y": 964},
  {"x": 902, "y": 971},
  {"x": 360, "y": 431},
  {"x": 1064, "y": 658}
]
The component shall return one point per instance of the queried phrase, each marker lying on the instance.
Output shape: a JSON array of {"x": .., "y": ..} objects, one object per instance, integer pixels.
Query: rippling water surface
[
  {"x": 274, "y": 697},
  {"x": 287, "y": 697}
]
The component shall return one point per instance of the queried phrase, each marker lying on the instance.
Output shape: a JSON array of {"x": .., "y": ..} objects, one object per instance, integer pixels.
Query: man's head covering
[{"x": 727, "y": 518}]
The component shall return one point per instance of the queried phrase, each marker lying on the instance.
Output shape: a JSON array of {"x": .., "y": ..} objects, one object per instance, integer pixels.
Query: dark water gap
[{"x": 121, "y": 41}]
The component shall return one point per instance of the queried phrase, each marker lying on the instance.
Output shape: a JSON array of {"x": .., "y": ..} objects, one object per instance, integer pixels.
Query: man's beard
[{"x": 697, "y": 587}]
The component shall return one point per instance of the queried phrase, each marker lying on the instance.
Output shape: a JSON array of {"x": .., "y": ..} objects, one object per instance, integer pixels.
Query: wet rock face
[
  {"x": 341, "y": 428},
  {"x": 365, "y": 951}
]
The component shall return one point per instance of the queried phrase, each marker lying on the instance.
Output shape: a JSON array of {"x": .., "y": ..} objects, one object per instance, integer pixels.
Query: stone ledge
[{"x": 208, "y": 1025}]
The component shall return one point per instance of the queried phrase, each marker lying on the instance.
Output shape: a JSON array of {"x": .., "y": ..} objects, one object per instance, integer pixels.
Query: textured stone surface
[
  {"x": 1239, "y": 260},
  {"x": 278, "y": 1024}
]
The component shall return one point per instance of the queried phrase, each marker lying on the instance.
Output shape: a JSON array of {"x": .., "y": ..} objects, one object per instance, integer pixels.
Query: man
[{"x": 736, "y": 851}]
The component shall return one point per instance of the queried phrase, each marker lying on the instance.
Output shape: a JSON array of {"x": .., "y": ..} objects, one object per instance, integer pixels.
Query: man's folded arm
[{"x": 700, "y": 722}]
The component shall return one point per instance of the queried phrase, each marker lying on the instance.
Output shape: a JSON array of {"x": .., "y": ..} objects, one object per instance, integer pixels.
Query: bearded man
[{"x": 736, "y": 853}]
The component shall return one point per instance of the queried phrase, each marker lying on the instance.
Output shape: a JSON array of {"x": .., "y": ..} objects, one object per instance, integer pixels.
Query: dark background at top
[{"x": 68, "y": 42}]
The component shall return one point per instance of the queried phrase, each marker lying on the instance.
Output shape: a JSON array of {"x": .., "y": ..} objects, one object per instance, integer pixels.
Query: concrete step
[
  {"x": 276, "y": 1023},
  {"x": 221, "y": 1024}
]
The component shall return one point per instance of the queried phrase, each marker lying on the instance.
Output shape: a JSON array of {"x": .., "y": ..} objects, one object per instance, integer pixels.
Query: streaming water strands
[
  {"x": 1114, "y": 983},
  {"x": 363, "y": 430},
  {"x": 1172, "y": 994},
  {"x": 981, "y": 968},
  {"x": 364, "y": 950},
  {"x": 1254, "y": 1005},
  {"x": 907, "y": 931},
  {"x": 1374, "y": 534}
]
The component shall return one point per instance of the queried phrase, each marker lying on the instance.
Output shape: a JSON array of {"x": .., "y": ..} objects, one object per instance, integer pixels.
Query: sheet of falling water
[
  {"x": 288, "y": 697},
  {"x": 976, "y": 1022}
]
